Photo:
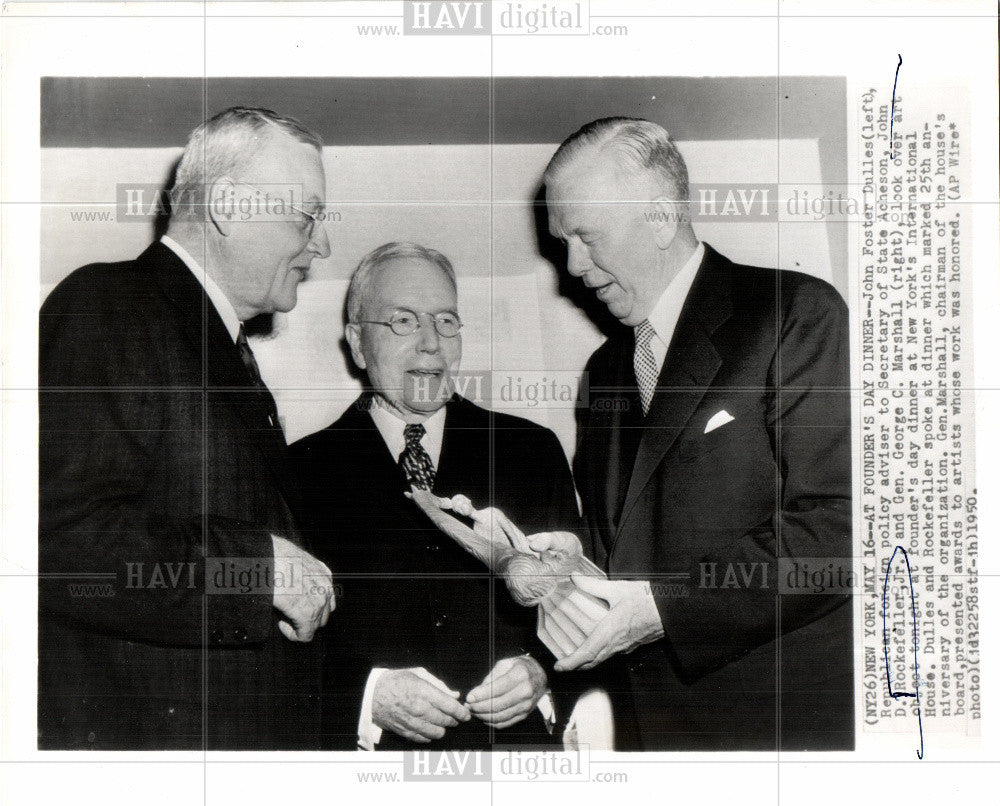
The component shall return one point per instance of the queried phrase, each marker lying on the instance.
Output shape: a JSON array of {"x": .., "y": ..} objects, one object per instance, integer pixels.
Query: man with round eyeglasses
[
  {"x": 404, "y": 322},
  {"x": 428, "y": 648}
]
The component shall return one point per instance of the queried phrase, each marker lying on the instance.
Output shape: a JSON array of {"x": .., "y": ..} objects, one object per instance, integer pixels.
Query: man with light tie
[{"x": 729, "y": 458}]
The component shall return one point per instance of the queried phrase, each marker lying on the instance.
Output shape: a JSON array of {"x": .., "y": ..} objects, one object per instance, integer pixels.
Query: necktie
[
  {"x": 645, "y": 364},
  {"x": 251, "y": 364},
  {"x": 414, "y": 461}
]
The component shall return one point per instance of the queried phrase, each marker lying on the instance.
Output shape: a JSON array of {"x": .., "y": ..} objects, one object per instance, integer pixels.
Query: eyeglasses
[
  {"x": 306, "y": 224},
  {"x": 309, "y": 220},
  {"x": 405, "y": 322}
]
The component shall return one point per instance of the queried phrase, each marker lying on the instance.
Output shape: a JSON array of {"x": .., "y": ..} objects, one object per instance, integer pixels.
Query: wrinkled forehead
[
  {"x": 285, "y": 161},
  {"x": 412, "y": 282},
  {"x": 584, "y": 200},
  {"x": 591, "y": 175},
  {"x": 592, "y": 178}
]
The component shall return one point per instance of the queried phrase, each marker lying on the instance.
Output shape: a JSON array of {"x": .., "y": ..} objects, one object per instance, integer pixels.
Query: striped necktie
[{"x": 644, "y": 362}]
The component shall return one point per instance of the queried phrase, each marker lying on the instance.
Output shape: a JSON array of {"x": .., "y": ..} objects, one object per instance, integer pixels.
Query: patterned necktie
[
  {"x": 644, "y": 363},
  {"x": 414, "y": 461},
  {"x": 251, "y": 364}
]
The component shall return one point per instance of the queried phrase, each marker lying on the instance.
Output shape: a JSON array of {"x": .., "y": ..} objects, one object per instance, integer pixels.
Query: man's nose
[
  {"x": 430, "y": 341},
  {"x": 577, "y": 259},
  {"x": 319, "y": 241}
]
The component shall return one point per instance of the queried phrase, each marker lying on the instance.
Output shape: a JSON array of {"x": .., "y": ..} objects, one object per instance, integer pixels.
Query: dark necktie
[
  {"x": 414, "y": 461},
  {"x": 251, "y": 364}
]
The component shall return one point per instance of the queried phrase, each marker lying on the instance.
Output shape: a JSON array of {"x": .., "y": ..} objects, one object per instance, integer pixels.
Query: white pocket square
[{"x": 718, "y": 420}]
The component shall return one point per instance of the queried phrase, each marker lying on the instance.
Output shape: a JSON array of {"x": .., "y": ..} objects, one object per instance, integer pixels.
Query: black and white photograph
[{"x": 406, "y": 404}]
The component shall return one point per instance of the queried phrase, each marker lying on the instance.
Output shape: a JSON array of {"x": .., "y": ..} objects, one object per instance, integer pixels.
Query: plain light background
[{"x": 454, "y": 164}]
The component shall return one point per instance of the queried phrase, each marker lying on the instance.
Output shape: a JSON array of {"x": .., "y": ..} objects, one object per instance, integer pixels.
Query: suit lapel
[
  {"x": 370, "y": 454},
  {"x": 224, "y": 373},
  {"x": 690, "y": 366},
  {"x": 463, "y": 438},
  {"x": 621, "y": 426}
]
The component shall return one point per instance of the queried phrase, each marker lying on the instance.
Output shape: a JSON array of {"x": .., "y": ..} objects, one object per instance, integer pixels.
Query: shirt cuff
[
  {"x": 592, "y": 723},
  {"x": 548, "y": 711},
  {"x": 369, "y": 734},
  {"x": 545, "y": 705}
]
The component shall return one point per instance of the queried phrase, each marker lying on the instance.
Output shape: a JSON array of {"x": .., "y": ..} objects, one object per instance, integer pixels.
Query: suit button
[
  {"x": 91, "y": 736},
  {"x": 441, "y": 621}
]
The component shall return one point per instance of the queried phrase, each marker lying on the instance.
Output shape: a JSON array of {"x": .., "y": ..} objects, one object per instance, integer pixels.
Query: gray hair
[
  {"x": 223, "y": 144},
  {"x": 640, "y": 145},
  {"x": 363, "y": 277}
]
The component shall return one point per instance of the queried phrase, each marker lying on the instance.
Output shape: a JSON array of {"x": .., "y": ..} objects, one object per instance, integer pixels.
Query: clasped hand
[
  {"x": 414, "y": 708},
  {"x": 305, "y": 610},
  {"x": 509, "y": 692}
]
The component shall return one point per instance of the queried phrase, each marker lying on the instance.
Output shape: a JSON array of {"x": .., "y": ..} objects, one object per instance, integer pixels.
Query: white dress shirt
[
  {"x": 390, "y": 425},
  {"x": 667, "y": 310}
]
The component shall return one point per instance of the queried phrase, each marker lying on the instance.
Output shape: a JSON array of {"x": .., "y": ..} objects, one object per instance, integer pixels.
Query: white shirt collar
[
  {"x": 667, "y": 310},
  {"x": 221, "y": 302},
  {"x": 390, "y": 425}
]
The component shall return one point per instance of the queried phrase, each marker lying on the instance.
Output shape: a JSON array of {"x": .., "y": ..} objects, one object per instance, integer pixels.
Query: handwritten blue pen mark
[
  {"x": 892, "y": 116},
  {"x": 896, "y": 695}
]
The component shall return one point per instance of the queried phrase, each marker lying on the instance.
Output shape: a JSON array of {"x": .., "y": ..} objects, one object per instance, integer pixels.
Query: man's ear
[
  {"x": 221, "y": 199},
  {"x": 665, "y": 220},
  {"x": 353, "y": 335}
]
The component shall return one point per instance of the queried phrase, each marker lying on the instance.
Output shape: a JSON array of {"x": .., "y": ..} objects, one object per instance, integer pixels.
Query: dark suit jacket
[
  {"x": 409, "y": 595},
  {"x": 155, "y": 456},
  {"x": 708, "y": 517}
]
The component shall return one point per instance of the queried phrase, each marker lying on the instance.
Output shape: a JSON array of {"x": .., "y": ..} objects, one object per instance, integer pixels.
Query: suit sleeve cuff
[{"x": 239, "y": 590}]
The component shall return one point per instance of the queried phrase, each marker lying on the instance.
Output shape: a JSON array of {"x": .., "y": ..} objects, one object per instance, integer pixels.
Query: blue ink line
[
  {"x": 892, "y": 115},
  {"x": 885, "y": 640}
]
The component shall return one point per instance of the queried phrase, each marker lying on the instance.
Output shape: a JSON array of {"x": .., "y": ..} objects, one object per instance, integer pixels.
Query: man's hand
[
  {"x": 632, "y": 620},
  {"x": 509, "y": 692},
  {"x": 308, "y": 609},
  {"x": 411, "y": 707}
]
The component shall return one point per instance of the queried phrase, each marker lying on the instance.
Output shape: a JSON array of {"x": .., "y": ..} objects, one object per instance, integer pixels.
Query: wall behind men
[{"x": 454, "y": 164}]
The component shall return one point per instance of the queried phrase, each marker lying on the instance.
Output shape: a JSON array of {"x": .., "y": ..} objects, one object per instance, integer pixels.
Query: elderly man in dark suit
[
  {"x": 729, "y": 463},
  {"x": 163, "y": 469},
  {"x": 427, "y": 647}
]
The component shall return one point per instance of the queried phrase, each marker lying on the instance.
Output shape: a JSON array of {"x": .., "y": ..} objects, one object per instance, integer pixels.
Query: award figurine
[{"x": 566, "y": 614}]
